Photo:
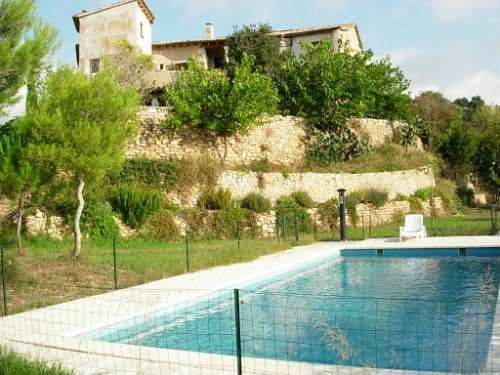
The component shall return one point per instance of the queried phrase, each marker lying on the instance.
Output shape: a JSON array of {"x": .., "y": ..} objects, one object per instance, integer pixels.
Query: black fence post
[
  {"x": 4, "y": 287},
  {"x": 187, "y": 249},
  {"x": 115, "y": 268},
  {"x": 237, "y": 325}
]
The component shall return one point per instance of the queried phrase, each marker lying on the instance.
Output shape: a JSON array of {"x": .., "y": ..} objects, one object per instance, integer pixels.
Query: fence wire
[{"x": 137, "y": 331}]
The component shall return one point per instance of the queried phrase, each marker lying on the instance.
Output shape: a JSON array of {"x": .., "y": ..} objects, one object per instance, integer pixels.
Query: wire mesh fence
[{"x": 235, "y": 331}]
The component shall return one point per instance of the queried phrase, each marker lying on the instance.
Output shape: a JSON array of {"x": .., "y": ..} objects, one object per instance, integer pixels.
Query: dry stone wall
[
  {"x": 320, "y": 186},
  {"x": 281, "y": 140}
]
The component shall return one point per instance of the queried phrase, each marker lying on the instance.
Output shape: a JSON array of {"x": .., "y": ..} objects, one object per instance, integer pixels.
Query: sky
[{"x": 448, "y": 46}]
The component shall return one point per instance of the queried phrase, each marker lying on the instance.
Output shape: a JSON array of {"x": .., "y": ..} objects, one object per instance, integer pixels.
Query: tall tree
[
  {"x": 255, "y": 41},
  {"x": 81, "y": 125},
  {"x": 434, "y": 113},
  {"x": 487, "y": 157},
  {"x": 20, "y": 177},
  {"x": 26, "y": 45}
]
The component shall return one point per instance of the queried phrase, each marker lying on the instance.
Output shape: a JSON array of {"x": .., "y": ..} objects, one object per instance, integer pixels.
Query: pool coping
[{"x": 48, "y": 333}]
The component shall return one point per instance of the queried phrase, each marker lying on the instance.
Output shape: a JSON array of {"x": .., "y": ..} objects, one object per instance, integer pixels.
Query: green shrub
[
  {"x": 373, "y": 196},
  {"x": 135, "y": 204},
  {"x": 215, "y": 200},
  {"x": 329, "y": 212},
  {"x": 303, "y": 199},
  {"x": 466, "y": 195},
  {"x": 358, "y": 195},
  {"x": 286, "y": 207},
  {"x": 256, "y": 202},
  {"x": 416, "y": 205},
  {"x": 424, "y": 194},
  {"x": 286, "y": 172},
  {"x": 376, "y": 197},
  {"x": 401, "y": 197},
  {"x": 158, "y": 174},
  {"x": 286, "y": 203},
  {"x": 164, "y": 226},
  {"x": 261, "y": 165},
  {"x": 98, "y": 219}
]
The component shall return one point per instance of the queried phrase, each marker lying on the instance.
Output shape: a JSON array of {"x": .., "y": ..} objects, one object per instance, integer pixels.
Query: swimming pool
[{"x": 386, "y": 309}]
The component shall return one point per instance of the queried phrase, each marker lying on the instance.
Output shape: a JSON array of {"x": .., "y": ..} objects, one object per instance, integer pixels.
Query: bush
[
  {"x": 329, "y": 212},
  {"x": 376, "y": 197},
  {"x": 373, "y": 196},
  {"x": 286, "y": 203},
  {"x": 466, "y": 195},
  {"x": 256, "y": 202},
  {"x": 215, "y": 200},
  {"x": 135, "y": 204},
  {"x": 164, "y": 226},
  {"x": 303, "y": 199},
  {"x": 416, "y": 206},
  {"x": 159, "y": 174},
  {"x": 287, "y": 206},
  {"x": 98, "y": 219},
  {"x": 424, "y": 194}
]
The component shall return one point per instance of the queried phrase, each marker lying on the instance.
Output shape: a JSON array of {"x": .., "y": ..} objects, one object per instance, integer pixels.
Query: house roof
[
  {"x": 142, "y": 4},
  {"x": 281, "y": 33}
]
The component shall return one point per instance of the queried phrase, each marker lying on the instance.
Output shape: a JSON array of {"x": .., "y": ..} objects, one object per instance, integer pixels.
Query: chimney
[{"x": 209, "y": 31}]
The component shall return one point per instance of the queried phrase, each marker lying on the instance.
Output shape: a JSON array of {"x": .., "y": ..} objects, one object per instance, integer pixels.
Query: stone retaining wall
[
  {"x": 320, "y": 186},
  {"x": 282, "y": 140}
]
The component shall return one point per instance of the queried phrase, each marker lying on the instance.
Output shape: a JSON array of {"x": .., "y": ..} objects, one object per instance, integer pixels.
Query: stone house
[{"x": 132, "y": 20}]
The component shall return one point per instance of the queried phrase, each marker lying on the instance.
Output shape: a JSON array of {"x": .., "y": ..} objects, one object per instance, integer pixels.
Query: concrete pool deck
[{"x": 49, "y": 333}]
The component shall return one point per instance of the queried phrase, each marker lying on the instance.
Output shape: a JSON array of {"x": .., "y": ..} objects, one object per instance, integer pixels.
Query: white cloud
[
  {"x": 453, "y": 10},
  {"x": 450, "y": 71},
  {"x": 482, "y": 83},
  {"x": 428, "y": 67}
]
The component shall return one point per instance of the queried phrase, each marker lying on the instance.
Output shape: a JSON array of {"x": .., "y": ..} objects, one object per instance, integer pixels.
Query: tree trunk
[
  {"x": 20, "y": 211},
  {"x": 76, "y": 226}
]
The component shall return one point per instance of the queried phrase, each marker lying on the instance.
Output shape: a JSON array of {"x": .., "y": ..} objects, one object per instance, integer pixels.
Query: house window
[
  {"x": 142, "y": 30},
  {"x": 95, "y": 65}
]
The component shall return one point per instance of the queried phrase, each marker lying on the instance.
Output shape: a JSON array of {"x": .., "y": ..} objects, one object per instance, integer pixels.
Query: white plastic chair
[{"x": 414, "y": 227}]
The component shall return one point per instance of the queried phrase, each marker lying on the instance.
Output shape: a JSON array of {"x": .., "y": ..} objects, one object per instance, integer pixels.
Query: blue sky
[{"x": 450, "y": 46}]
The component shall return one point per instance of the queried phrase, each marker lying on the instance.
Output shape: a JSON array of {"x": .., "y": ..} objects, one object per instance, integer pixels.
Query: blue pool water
[{"x": 414, "y": 310}]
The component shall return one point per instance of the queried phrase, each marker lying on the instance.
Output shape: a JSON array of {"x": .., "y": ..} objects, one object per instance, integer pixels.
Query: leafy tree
[
  {"x": 470, "y": 107},
  {"x": 81, "y": 124},
  {"x": 26, "y": 45},
  {"x": 458, "y": 147},
  {"x": 208, "y": 99},
  {"x": 20, "y": 176},
  {"x": 328, "y": 87},
  {"x": 487, "y": 156},
  {"x": 254, "y": 41},
  {"x": 433, "y": 113}
]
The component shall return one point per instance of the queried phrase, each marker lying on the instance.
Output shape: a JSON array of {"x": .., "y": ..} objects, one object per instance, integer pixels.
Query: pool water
[{"x": 432, "y": 313}]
